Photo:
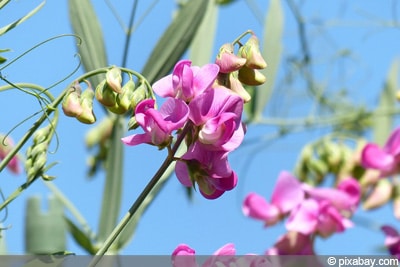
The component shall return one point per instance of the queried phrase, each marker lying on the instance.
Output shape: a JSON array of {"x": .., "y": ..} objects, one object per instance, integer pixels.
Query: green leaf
[
  {"x": 86, "y": 25},
  {"x": 175, "y": 40},
  {"x": 112, "y": 193},
  {"x": 80, "y": 237},
  {"x": 382, "y": 124},
  {"x": 14, "y": 24},
  {"x": 3, "y": 3},
  {"x": 44, "y": 231},
  {"x": 272, "y": 51},
  {"x": 201, "y": 48}
]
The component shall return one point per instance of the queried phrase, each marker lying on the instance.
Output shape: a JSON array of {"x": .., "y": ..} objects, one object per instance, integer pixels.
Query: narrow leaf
[
  {"x": 175, "y": 40},
  {"x": 3, "y": 3},
  {"x": 271, "y": 50},
  {"x": 112, "y": 193},
  {"x": 201, "y": 48},
  {"x": 382, "y": 124},
  {"x": 80, "y": 237},
  {"x": 86, "y": 25},
  {"x": 14, "y": 24}
]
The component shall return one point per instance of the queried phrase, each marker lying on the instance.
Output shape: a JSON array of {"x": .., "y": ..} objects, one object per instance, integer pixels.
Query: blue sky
[{"x": 204, "y": 225}]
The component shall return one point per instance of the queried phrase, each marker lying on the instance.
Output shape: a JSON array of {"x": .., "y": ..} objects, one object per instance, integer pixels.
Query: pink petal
[
  {"x": 163, "y": 87},
  {"x": 255, "y": 206},
  {"x": 304, "y": 218},
  {"x": 228, "y": 249},
  {"x": 392, "y": 145},
  {"x": 353, "y": 190},
  {"x": 137, "y": 139},
  {"x": 183, "y": 256},
  {"x": 374, "y": 157},
  {"x": 204, "y": 78},
  {"x": 287, "y": 193}
]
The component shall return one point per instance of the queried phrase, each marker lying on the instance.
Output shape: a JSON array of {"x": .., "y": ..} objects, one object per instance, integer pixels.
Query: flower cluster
[
  {"x": 184, "y": 256},
  {"x": 310, "y": 211},
  {"x": 207, "y": 110},
  {"x": 213, "y": 121}
]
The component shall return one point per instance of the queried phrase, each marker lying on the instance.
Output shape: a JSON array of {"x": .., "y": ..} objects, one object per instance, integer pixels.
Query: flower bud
[
  {"x": 105, "y": 95},
  {"x": 227, "y": 60},
  {"x": 114, "y": 79},
  {"x": 99, "y": 133},
  {"x": 6, "y": 145},
  {"x": 251, "y": 76},
  {"x": 236, "y": 86},
  {"x": 380, "y": 195},
  {"x": 124, "y": 99},
  {"x": 87, "y": 116},
  {"x": 132, "y": 123},
  {"x": 139, "y": 94},
  {"x": 251, "y": 52},
  {"x": 71, "y": 102}
]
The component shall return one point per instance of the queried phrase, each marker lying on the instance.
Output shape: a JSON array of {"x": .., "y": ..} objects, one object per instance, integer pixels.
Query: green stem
[
  {"x": 138, "y": 202},
  {"x": 237, "y": 40}
]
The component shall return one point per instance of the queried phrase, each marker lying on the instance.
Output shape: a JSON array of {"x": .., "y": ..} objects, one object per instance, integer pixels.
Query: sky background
[{"x": 356, "y": 26}]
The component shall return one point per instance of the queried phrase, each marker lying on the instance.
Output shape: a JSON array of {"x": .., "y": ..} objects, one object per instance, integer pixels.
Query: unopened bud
[
  {"x": 124, "y": 99},
  {"x": 251, "y": 76},
  {"x": 132, "y": 123},
  {"x": 236, "y": 86},
  {"x": 71, "y": 102},
  {"x": 99, "y": 133},
  {"x": 139, "y": 95},
  {"x": 227, "y": 61},
  {"x": 105, "y": 95},
  {"x": 114, "y": 79},
  {"x": 87, "y": 116},
  {"x": 380, "y": 195},
  {"x": 251, "y": 52}
]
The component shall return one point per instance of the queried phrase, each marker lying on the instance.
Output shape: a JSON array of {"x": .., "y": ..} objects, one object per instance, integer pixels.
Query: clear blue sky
[{"x": 204, "y": 225}]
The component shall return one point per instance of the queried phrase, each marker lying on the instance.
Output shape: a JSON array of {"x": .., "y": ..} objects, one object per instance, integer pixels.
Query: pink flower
[
  {"x": 292, "y": 243},
  {"x": 392, "y": 240},
  {"x": 209, "y": 169},
  {"x": 186, "y": 82},
  {"x": 385, "y": 159},
  {"x": 184, "y": 256},
  {"x": 158, "y": 124},
  {"x": 6, "y": 145},
  {"x": 217, "y": 114},
  {"x": 287, "y": 195}
]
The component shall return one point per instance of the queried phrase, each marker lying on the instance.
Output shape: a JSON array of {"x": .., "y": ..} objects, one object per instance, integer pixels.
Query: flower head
[
  {"x": 385, "y": 159},
  {"x": 158, "y": 124},
  {"x": 186, "y": 81},
  {"x": 210, "y": 170}
]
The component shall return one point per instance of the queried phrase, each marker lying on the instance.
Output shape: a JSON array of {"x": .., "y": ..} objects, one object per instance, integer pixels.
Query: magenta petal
[
  {"x": 183, "y": 256},
  {"x": 204, "y": 78},
  {"x": 182, "y": 174},
  {"x": 392, "y": 145},
  {"x": 137, "y": 139},
  {"x": 255, "y": 206},
  {"x": 172, "y": 115},
  {"x": 227, "y": 249},
  {"x": 288, "y": 192},
  {"x": 304, "y": 218},
  {"x": 214, "y": 195},
  {"x": 375, "y": 158},
  {"x": 353, "y": 190}
]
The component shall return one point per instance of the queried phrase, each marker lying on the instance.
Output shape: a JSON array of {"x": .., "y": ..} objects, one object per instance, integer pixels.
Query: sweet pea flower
[
  {"x": 184, "y": 256},
  {"x": 158, "y": 124},
  {"x": 287, "y": 195},
  {"x": 385, "y": 159},
  {"x": 209, "y": 169},
  {"x": 392, "y": 240},
  {"x": 217, "y": 114},
  {"x": 186, "y": 82},
  {"x": 293, "y": 243}
]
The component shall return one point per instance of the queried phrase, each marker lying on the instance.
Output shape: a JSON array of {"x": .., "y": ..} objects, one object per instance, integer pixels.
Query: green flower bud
[
  {"x": 139, "y": 95},
  {"x": 105, "y": 95},
  {"x": 236, "y": 86},
  {"x": 99, "y": 133},
  {"x": 123, "y": 103},
  {"x": 251, "y": 52},
  {"x": 114, "y": 79},
  {"x": 227, "y": 60},
  {"x": 132, "y": 123},
  {"x": 87, "y": 116},
  {"x": 71, "y": 103},
  {"x": 380, "y": 195},
  {"x": 251, "y": 76}
]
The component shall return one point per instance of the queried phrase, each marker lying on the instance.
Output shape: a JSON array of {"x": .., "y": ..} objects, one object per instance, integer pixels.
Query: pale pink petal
[
  {"x": 288, "y": 192},
  {"x": 255, "y": 206},
  {"x": 204, "y": 78},
  {"x": 227, "y": 249},
  {"x": 304, "y": 218},
  {"x": 163, "y": 87},
  {"x": 137, "y": 139}
]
